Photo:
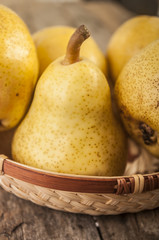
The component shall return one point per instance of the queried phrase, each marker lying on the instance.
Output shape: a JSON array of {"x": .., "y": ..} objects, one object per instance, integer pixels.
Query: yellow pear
[
  {"x": 51, "y": 43},
  {"x": 137, "y": 93},
  {"x": 18, "y": 68},
  {"x": 70, "y": 127},
  {"x": 129, "y": 39}
]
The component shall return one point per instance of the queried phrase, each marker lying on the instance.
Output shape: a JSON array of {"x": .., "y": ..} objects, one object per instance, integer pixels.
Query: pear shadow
[{"x": 5, "y": 142}]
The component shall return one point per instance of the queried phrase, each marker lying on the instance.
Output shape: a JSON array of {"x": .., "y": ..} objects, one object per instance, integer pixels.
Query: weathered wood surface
[{"x": 23, "y": 220}]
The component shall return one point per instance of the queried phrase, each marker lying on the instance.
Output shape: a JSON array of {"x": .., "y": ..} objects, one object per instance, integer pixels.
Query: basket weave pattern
[{"x": 86, "y": 203}]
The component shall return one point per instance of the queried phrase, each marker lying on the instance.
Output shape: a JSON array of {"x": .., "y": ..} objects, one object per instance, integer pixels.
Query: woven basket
[{"x": 82, "y": 194}]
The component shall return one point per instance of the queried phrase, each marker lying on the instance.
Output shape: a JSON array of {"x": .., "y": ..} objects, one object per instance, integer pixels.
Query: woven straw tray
[{"x": 82, "y": 194}]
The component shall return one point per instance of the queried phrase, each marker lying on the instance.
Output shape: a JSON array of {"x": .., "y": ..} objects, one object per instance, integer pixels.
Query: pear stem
[{"x": 74, "y": 44}]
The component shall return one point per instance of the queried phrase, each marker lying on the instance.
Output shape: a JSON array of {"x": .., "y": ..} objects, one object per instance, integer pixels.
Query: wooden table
[{"x": 23, "y": 220}]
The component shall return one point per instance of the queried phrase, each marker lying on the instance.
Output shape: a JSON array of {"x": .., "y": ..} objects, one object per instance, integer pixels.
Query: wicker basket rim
[
  {"x": 76, "y": 176},
  {"x": 79, "y": 183}
]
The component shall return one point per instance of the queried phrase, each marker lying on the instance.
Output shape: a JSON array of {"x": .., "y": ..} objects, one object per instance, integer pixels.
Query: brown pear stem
[{"x": 74, "y": 44}]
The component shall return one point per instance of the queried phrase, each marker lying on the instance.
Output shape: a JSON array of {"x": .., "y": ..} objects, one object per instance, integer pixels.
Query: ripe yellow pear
[
  {"x": 129, "y": 39},
  {"x": 70, "y": 127},
  {"x": 137, "y": 93},
  {"x": 18, "y": 68},
  {"x": 51, "y": 43}
]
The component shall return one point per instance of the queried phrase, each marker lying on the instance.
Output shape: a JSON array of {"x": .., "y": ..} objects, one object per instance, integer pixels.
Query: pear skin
[
  {"x": 70, "y": 127},
  {"x": 18, "y": 68},
  {"x": 51, "y": 43},
  {"x": 128, "y": 40},
  {"x": 137, "y": 94}
]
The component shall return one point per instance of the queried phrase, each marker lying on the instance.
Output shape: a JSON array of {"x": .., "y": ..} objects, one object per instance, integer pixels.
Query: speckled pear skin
[
  {"x": 18, "y": 68},
  {"x": 51, "y": 43},
  {"x": 137, "y": 94},
  {"x": 129, "y": 39},
  {"x": 70, "y": 127}
]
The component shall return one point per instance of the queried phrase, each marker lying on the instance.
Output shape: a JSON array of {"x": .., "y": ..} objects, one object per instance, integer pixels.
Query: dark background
[{"x": 149, "y": 7}]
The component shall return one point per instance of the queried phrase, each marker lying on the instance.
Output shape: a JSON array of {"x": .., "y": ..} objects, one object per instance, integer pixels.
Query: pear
[
  {"x": 18, "y": 68},
  {"x": 128, "y": 40},
  {"x": 51, "y": 43},
  {"x": 70, "y": 127},
  {"x": 137, "y": 94}
]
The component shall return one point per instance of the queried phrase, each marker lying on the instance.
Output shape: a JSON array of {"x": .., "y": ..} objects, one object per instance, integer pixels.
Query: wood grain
[
  {"x": 20, "y": 219},
  {"x": 143, "y": 225},
  {"x": 23, "y": 220}
]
